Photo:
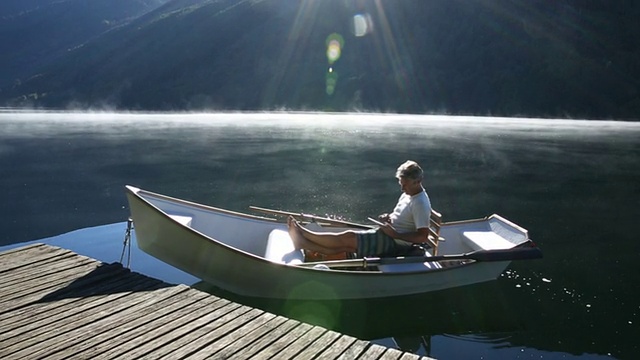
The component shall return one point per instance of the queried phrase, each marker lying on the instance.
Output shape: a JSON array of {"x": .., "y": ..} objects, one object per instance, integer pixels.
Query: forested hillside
[
  {"x": 542, "y": 58},
  {"x": 33, "y": 33}
]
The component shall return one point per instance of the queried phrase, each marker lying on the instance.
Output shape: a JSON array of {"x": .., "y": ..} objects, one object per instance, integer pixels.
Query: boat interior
[{"x": 268, "y": 238}]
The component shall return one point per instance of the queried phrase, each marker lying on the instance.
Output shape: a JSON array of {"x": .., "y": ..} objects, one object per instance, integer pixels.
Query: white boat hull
[{"x": 226, "y": 249}]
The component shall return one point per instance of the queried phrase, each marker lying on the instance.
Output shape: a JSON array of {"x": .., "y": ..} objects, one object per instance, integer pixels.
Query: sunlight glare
[
  {"x": 335, "y": 43},
  {"x": 362, "y": 24},
  {"x": 332, "y": 80},
  {"x": 333, "y": 51}
]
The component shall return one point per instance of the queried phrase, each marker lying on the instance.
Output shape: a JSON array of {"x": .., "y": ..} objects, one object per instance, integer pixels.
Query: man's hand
[{"x": 385, "y": 218}]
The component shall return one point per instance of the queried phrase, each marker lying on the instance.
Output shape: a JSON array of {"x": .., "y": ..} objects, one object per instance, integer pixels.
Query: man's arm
[{"x": 419, "y": 236}]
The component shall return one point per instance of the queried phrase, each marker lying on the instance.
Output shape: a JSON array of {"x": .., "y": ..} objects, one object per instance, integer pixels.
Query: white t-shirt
[{"x": 411, "y": 212}]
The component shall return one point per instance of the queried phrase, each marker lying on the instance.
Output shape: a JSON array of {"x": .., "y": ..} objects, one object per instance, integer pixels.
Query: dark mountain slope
[
  {"x": 12, "y": 8},
  {"x": 35, "y": 32},
  {"x": 500, "y": 57}
]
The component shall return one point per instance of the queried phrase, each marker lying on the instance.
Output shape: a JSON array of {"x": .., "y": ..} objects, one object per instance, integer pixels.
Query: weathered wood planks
[{"x": 55, "y": 304}]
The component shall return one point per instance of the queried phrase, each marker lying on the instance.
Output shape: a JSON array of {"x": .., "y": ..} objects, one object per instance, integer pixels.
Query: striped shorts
[{"x": 375, "y": 242}]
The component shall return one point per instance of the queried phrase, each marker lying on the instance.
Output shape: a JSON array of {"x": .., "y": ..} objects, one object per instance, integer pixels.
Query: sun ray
[
  {"x": 298, "y": 36},
  {"x": 388, "y": 49}
]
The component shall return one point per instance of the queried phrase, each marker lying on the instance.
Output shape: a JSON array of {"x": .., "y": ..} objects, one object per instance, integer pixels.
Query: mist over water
[{"x": 573, "y": 184}]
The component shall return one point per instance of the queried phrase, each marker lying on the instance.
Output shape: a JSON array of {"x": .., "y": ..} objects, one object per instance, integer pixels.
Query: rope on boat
[{"x": 126, "y": 246}]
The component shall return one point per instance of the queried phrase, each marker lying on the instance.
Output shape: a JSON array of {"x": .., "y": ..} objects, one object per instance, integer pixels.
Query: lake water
[{"x": 573, "y": 184}]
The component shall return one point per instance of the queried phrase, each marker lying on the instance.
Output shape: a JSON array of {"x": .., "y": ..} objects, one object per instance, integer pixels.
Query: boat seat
[
  {"x": 280, "y": 248},
  {"x": 434, "y": 238},
  {"x": 486, "y": 240},
  {"x": 184, "y": 220}
]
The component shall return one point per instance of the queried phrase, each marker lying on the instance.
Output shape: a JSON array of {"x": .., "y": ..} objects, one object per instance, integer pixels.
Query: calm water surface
[{"x": 573, "y": 184}]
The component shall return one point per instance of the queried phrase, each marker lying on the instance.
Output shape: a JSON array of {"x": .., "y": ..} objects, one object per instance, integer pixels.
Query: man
[{"x": 406, "y": 225}]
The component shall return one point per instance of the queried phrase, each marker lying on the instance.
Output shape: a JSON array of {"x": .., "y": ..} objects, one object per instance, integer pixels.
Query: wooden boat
[{"x": 253, "y": 255}]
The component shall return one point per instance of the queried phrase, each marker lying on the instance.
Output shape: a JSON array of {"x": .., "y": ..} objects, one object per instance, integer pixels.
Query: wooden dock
[{"x": 56, "y": 304}]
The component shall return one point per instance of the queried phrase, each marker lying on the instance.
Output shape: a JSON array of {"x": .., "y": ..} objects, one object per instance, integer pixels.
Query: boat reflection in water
[{"x": 395, "y": 321}]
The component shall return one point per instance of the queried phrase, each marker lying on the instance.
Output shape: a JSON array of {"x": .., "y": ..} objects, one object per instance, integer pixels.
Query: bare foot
[
  {"x": 295, "y": 233},
  {"x": 291, "y": 221}
]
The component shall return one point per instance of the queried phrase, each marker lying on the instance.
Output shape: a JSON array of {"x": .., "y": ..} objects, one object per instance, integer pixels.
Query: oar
[
  {"x": 310, "y": 217},
  {"x": 517, "y": 253}
]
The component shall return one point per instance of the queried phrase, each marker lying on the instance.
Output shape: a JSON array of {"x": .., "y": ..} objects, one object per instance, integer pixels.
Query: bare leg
[
  {"x": 300, "y": 242},
  {"x": 325, "y": 243}
]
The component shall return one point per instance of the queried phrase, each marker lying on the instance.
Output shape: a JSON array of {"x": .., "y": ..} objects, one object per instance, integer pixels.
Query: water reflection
[
  {"x": 409, "y": 321},
  {"x": 449, "y": 319},
  {"x": 573, "y": 184}
]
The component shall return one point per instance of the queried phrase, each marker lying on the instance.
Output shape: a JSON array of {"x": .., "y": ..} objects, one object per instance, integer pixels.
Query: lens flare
[
  {"x": 331, "y": 81},
  {"x": 362, "y": 24},
  {"x": 333, "y": 51},
  {"x": 335, "y": 43},
  {"x": 325, "y": 313}
]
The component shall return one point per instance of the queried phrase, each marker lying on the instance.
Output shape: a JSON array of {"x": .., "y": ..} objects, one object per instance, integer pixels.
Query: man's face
[{"x": 406, "y": 185}]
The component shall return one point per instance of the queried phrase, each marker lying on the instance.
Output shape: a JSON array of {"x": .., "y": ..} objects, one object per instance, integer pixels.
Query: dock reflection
[{"x": 407, "y": 322}]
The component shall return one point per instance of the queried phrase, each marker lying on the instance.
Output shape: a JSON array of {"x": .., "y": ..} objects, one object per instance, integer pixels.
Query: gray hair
[{"x": 410, "y": 170}]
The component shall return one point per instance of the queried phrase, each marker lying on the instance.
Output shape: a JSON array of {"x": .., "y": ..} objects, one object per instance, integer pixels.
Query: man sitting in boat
[{"x": 408, "y": 224}]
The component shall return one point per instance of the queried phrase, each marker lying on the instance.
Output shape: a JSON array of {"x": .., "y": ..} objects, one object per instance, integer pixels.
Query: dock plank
[
  {"x": 213, "y": 331},
  {"x": 121, "y": 323},
  {"x": 112, "y": 283},
  {"x": 231, "y": 337},
  {"x": 56, "y": 304},
  {"x": 21, "y": 250},
  {"x": 338, "y": 348},
  {"x": 133, "y": 336},
  {"x": 42, "y": 267},
  {"x": 41, "y": 340},
  {"x": 391, "y": 354},
  {"x": 38, "y": 311},
  {"x": 353, "y": 348},
  {"x": 63, "y": 312},
  {"x": 409, "y": 356},
  {"x": 45, "y": 271},
  {"x": 154, "y": 337},
  {"x": 283, "y": 341},
  {"x": 300, "y": 343},
  {"x": 86, "y": 276},
  {"x": 10, "y": 300},
  {"x": 32, "y": 284},
  {"x": 27, "y": 254},
  {"x": 184, "y": 335},
  {"x": 247, "y": 339},
  {"x": 265, "y": 341},
  {"x": 374, "y": 351},
  {"x": 38, "y": 275},
  {"x": 325, "y": 342}
]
